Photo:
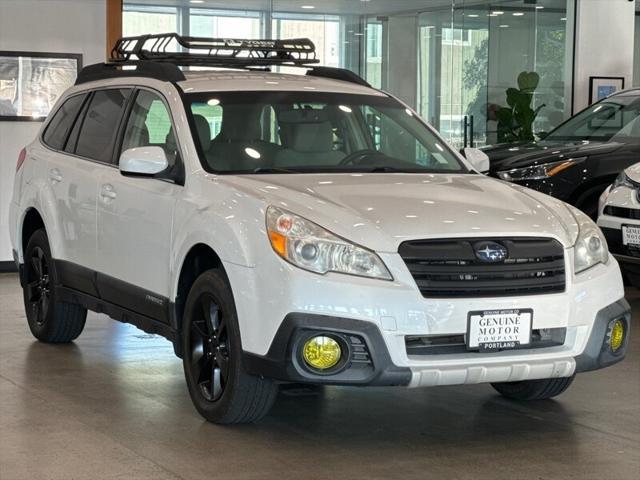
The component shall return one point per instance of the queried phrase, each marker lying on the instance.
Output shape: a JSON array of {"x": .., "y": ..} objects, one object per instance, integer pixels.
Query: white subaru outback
[{"x": 299, "y": 228}]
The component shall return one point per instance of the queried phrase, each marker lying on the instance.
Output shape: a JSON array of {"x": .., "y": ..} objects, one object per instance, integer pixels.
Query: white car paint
[
  {"x": 620, "y": 196},
  {"x": 144, "y": 232}
]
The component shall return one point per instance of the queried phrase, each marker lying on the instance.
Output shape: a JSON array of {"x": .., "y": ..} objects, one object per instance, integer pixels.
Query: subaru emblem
[{"x": 490, "y": 252}]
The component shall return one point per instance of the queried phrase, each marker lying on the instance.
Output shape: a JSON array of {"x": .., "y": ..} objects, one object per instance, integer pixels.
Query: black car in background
[{"x": 579, "y": 159}]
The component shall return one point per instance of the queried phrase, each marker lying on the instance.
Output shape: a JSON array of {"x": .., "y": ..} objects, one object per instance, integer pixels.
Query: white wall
[
  {"x": 604, "y": 44},
  {"x": 636, "y": 59},
  {"x": 65, "y": 26}
]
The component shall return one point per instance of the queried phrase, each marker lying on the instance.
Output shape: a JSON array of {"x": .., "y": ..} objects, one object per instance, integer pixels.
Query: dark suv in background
[{"x": 578, "y": 160}]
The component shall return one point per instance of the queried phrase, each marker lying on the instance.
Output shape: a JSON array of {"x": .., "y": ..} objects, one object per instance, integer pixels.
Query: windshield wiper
[
  {"x": 391, "y": 170},
  {"x": 260, "y": 170}
]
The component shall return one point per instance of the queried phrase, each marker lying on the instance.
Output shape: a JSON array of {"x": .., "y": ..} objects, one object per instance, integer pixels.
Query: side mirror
[
  {"x": 143, "y": 161},
  {"x": 478, "y": 159}
]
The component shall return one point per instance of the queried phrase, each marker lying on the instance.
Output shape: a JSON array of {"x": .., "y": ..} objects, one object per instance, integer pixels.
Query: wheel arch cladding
[
  {"x": 31, "y": 222},
  {"x": 199, "y": 259}
]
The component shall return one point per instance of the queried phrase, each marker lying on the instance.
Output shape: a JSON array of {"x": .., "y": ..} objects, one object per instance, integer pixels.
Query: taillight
[{"x": 21, "y": 157}]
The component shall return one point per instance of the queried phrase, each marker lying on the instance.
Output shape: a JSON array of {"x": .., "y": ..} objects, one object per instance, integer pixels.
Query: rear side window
[
  {"x": 100, "y": 124},
  {"x": 58, "y": 129}
]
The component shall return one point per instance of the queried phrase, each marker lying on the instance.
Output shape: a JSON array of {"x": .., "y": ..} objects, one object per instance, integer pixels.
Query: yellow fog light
[
  {"x": 321, "y": 352},
  {"x": 617, "y": 335}
]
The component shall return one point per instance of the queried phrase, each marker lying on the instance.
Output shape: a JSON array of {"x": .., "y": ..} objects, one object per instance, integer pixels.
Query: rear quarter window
[{"x": 58, "y": 129}]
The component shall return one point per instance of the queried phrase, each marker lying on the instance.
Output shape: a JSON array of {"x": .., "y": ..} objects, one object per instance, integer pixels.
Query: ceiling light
[
  {"x": 563, "y": 19},
  {"x": 518, "y": 14},
  {"x": 497, "y": 12},
  {"x": 539, "y": 7},
  {"x": 503, "y": 26},
  {"x": 308, "y": 7},
  {"x": 473, "y": 15},
  {"x": 196, "y": 1}
]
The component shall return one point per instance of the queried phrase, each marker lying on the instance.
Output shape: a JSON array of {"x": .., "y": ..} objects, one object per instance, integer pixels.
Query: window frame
[
  {"x": 52, "y": 115},
  {"x": 179, "y": 177},
  {"x": 84, "y": 112},
  {"x": 90, "y": 92}
]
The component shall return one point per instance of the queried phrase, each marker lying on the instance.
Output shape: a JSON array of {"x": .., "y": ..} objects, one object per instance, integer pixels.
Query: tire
[
  {"x": 221, "y": 391},
  {"x": 534, "y": 389},
  {"x": 50, "y": 320}
]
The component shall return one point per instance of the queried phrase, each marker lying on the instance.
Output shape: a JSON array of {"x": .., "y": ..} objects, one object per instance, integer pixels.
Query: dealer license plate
[
  {"x": 630, "y": 235},
  {"x": 495, "y": 330}
]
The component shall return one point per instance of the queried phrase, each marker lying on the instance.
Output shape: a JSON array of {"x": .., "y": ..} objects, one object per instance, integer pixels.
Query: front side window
[
  {"x": 149, "y": 124},
  {"x": 297, "y": 132},
  {"x": 100, "y": 123},
  {"x": 601, "y": 121},
  {"x": 58, "y": 129}
]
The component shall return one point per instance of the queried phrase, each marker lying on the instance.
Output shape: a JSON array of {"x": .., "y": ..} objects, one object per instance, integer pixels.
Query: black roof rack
[
  {"x": 215, "y": 51},
  {"x": 159, "y": 56}
]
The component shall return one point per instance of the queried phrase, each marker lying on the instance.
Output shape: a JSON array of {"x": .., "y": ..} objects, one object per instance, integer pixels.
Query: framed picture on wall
[
  {"x": 32, "y": 82},
  {"x": 601, "y": 87}
]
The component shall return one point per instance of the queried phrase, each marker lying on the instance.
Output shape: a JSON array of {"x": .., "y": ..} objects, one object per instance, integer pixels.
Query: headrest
[
  {"x": 303, "y": 115},
  {"x": 310, "y": 137},
  {"x": 240, "y": 123},
  {"x": 204, "y": 131}
]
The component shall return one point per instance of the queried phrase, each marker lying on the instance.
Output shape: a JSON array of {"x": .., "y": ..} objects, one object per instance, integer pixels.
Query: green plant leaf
[{"x": 528, "y": 81}]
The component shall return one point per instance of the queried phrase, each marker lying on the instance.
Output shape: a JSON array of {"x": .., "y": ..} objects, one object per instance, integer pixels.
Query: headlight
[
  {"x": 622, "y": 181},
  {"x": 311, "y": 247},
  {"x": 591, "y": 246},
  {"x": 539, "y": 172}
]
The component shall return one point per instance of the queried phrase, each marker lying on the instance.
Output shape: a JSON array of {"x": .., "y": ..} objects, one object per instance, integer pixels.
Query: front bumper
[{"x": 369, "y": 362}]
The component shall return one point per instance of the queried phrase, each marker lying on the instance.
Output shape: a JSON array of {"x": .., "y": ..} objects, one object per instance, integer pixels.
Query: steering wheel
[{"x": 354, "y": 158}]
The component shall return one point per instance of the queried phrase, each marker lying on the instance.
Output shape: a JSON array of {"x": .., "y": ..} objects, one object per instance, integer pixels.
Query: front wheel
[
  {"x": 534, "y": 389},
  {"x": 220, "y": 389}
]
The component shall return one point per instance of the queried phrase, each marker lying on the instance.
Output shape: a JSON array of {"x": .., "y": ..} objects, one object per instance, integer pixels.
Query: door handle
[
  {"x": 108, "y": 193},
  {"x": 55, "y": 176}
]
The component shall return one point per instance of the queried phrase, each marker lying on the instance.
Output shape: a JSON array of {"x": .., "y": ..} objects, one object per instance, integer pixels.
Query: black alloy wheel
[
  {"x": 212, "y": 356},
  {"x": 209, "y": 349},
  {"x": 38, "y": 286},
  {"x": 50, "y": 319}
]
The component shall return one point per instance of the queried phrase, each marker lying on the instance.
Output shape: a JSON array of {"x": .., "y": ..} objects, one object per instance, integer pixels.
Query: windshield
[
  {"x": 613, "y": 117},
  {"x": 313, "y": 132}
]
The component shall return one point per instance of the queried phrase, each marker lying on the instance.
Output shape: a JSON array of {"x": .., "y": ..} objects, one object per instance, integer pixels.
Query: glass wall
[{"x": 465, "y": 65}]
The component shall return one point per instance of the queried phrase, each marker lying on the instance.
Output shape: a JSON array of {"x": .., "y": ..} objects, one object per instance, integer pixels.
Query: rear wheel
[
  {"x": 534, "y": 389},
  {"x": 50, "y": 320},
  {"x": 220, "y": 389}
]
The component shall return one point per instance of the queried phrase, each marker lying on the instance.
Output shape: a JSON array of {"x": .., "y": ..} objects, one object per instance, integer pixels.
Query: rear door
[
  {"x": 135, "y": 216},
  {"x": 82, "y": 147}
]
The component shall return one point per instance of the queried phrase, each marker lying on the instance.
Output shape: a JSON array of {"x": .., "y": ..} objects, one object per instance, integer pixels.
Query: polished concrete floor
[{"x": 113, "y": 405}]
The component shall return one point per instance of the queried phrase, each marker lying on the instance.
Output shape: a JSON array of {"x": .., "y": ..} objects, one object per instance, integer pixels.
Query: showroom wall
[
  {"x": 636, "y": 49},
  {"x": 63, "y": 26},
  {"x": 605, "y": 32}
]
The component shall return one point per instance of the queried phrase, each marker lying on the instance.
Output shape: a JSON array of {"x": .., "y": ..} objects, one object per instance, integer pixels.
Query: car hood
[
  {"x": 506, "y": 157},
  {"x": 381, "y": 210}
]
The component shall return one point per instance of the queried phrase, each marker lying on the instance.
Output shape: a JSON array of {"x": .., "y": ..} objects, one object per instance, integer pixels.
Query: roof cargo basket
[
  {"x": 159, "y": 56},
  {"x": 213, "y": 52}
]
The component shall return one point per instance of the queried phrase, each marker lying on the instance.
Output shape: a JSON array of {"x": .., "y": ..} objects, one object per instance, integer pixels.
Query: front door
[{"x": 135, "y": 217}]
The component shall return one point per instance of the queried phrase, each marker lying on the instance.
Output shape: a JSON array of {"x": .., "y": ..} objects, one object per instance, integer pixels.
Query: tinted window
[
  {"x": 601, "y": 121},
  {"x": 100, "y": 123},
  {"x": 149, "y": 124},
  {"x": 62, "y": 121},
  {"x": 311, "y": 132}
]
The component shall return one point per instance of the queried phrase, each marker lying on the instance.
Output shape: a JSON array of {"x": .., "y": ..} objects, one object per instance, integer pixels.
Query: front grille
[
  {"x": 622, "y": 212},
  {"x": 450, "y": 344},
  {"x": 450, "y": 268}
]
